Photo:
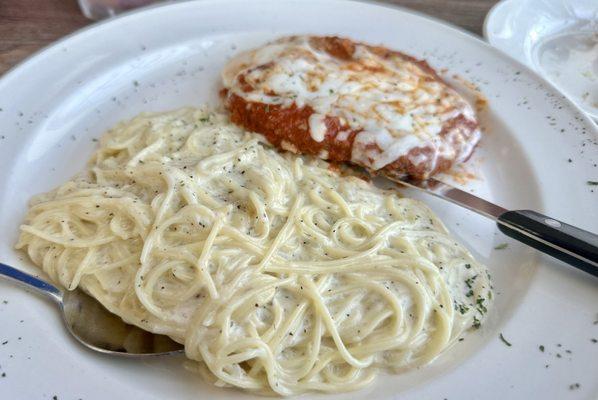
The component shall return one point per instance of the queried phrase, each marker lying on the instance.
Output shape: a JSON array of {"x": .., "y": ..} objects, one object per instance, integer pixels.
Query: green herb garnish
[
  {"x": 480, "y": 305},
  {"x": 469, "y": 281},
  {"x": 574, "y": 386},
  {"x": 505, "y": 341},
  {"x": 501, "y": 246}
]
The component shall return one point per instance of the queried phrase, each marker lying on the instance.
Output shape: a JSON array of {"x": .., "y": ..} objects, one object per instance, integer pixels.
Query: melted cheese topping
[
  {"x": 278, "y": 275},
  {"x": 396, "y": 104},
  {"x": 317, "y": 127}
]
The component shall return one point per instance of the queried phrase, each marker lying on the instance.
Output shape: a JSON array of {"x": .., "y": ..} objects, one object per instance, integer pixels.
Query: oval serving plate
[{"x": 538, "y": 151}]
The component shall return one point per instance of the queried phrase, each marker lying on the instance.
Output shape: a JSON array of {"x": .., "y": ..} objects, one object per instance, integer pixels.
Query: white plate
[
  {"x": 557, "y": 38},
  {"x": 164, "y": 57}
]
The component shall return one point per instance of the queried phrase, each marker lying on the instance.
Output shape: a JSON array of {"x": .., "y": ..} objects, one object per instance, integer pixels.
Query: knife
[{"x": 558, "y": 239}]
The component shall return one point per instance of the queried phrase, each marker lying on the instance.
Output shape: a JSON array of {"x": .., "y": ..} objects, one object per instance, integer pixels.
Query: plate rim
[{"x": 491, "y": 14}]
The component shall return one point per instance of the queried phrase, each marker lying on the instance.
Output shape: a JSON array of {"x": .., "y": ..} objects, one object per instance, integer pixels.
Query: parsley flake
[{"x": 505, "y": 341}]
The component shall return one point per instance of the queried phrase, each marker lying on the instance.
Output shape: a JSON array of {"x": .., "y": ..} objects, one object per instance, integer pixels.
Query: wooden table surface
[{"x": 28, "y": 25}]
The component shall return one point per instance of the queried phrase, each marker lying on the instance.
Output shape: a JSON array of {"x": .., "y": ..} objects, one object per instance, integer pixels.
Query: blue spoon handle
[{"x": 31, "y": 282}]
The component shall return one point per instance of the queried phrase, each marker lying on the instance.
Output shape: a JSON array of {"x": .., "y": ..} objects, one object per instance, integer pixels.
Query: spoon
[{"x": 92, "y": 325}]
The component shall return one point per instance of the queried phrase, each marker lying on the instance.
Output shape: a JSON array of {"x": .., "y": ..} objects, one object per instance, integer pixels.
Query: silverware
[
  {"x": 565, "y": 242},
  {"x": 94, "y": 326}
]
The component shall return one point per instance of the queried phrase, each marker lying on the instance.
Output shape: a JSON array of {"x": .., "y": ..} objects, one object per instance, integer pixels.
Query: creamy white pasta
[{"x": 276, "y": 273}]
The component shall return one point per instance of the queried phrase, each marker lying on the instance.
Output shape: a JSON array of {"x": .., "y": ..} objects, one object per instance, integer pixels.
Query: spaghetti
[{"x": 276, "y": 273}]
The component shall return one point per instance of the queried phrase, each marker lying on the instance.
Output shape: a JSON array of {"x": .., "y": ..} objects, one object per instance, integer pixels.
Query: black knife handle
[{"x": 572, "y": 245}]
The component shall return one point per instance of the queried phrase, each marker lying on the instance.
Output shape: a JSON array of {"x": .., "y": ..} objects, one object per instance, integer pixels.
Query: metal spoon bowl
[{"x": 92, "y": 325}]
